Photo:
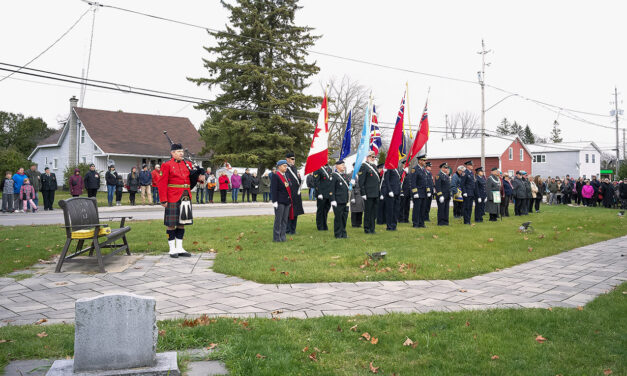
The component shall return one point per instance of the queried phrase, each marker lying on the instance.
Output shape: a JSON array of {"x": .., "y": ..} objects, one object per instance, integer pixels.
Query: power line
[
  {"x": 91, "y": 43},
  {"x": 49, "y": 47}
]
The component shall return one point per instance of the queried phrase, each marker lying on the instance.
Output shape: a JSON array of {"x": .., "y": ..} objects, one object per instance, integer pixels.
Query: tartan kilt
[{"x": 172, "y": 214}]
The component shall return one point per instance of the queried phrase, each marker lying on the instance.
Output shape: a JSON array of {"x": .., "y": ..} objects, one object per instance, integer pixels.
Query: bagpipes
[{"x": 195, "y": 171}]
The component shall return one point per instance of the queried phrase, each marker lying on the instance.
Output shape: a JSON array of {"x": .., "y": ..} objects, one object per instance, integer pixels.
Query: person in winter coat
[
  {"x": 519, "y": 193},
  {"x": 622, "y": 193},
  {"x": 211, "y": 185},
  {"x": 587, "y": 192},
  {"x": 567, "y": 190},
  {"x": 132, "y": 184},
  {"x": 456, "y": 192},
  {"x": 119, "y": 189},
  {"x": 156, "y": 174},
  {"x": 596, "y": 184},
  {"x": 311, "y": 184},
  {"x": 236, "y": 185},
  {"x": 246, "y": 185},
  {"x": 265, "y": 186},
  {"x": 254, "y": 186},
  {"x": 111, "y": 179},
  {"x": 18, "y": 179},
  {"x": 76, "y": 183},
  {"x": 356, "y": 205},
  {"x": 27, "y": 195},
  {"x": 34, "y": 176},
  {"x": 552, "y": 188},
  {"x": 578, "y": 187},
  {"x": 92, "y": 181},
  {"x": 528, "y": 193},
  {"x": 607, "y": 190},
  {"x": 534, "y": 194},
  {"x": 541, "y": 185},
  {"x": 493, "y": 185},
  {"x": 48, "y": 188},
  {"x": 224, "y": 186},
  {"x": 7, "y": 194},
  {"x": 507, "y": 191},
  {"x": 145, "y": 181}
]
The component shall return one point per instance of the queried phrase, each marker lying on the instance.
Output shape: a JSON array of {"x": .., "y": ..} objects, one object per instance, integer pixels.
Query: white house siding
[
  {"x": 557, "y": 163},
  {"x": 44, "y": 157},
  {"x": 589, "y": 169},
  {"x": 88, "y": 150}
]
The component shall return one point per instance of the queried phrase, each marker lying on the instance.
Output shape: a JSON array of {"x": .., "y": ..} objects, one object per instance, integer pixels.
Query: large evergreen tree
[
  {"x": 556, "y": 133},
  {"x": 504, "y": 128},
  {"x": 528, "y": 137},
  {"x": 517, "y": 130},
  {"x": 259, "y": 66}
]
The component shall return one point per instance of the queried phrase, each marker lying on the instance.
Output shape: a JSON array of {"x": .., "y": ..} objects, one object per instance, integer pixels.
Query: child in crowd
[
  {"x": 7, "y": 193},
  {"x": 27, "y": 194}
]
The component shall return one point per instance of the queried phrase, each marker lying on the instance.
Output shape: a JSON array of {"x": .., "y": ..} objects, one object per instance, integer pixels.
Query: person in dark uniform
[
  {"x": 468, "y": 186},
  {"x": 179, "y": 177},
  {"x": 419, "y": 193},
  {"x": 381, "y": 205},
  {"x": 391, "y": 192},
  {"x": 357, "y": 204},
  {"x": 323, "y": 182},
  {"x": 297, "y": 201},
  {"x": 443, "y": 194},
  {"x": 339, "y": 192},
  {"x": 430, "y": 191},
  {"x": 480, "y": 194},
  {"x": 282, "y": 197},
  {"x": 519, "y": 193},
  {"x": 369, "y": 183},
  {"x": 405, "y": 201},
  {"x": 456, "y": 192}
]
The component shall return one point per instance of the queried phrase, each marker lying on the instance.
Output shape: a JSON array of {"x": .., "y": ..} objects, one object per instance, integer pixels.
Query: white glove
[
  {"x": 402, "y": 194},
  {"x": 352, "y": 201},
  {"x": 479, "y": 200},
  {"x": 416, "y": 195},
  {"x": 276, "y": 205},
  {"x": 441, "y": 199},
  {"x": 319, "y": 197},
  {"x": 428, "y": 194},
  {"x": 391, "y": 194},
  {"x": 364, "y": 197},
  {"x": 352, "y": 181},
  {"x": 381, "y": 197},
  {"x": 334, "y": 203},
  {"x": 465, "y": 195}
]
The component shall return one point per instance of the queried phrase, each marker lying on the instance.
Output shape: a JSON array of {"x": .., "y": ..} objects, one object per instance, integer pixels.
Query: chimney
[{"x": 73, "y": 133}]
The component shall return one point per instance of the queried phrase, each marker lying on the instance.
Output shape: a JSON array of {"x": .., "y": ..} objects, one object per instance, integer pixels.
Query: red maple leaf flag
[
  {"x": 391, "y": 161},
  {"x": 319, "y": 151}
]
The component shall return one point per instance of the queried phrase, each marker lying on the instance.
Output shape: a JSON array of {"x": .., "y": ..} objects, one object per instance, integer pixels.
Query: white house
[
  {"x": 114, "y": 137},
  {"x": 577, "y": 159}
]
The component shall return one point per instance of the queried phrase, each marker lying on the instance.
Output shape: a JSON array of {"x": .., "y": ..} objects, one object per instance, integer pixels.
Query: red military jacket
[{"x": 177, "y": 173}]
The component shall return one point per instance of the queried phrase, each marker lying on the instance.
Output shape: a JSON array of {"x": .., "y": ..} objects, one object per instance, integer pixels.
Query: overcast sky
[{"x": 566, "y": 53}]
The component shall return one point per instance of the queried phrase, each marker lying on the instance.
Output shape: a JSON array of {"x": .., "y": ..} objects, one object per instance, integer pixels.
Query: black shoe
[
  {"x": 186, "y": 254},
  {"x": 174, "y": 255}
]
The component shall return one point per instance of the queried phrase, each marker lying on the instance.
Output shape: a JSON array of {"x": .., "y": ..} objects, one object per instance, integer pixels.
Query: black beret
[
  {"x": 290, "y": 155},
  {"x": 494, "y": 168},
  {"x": 428, "y": 164},
  {"x": 479, "y": 169},
  {"x": 176, "y": 147},
  {"x": 381, "y": 165},
  {"x": 47, "y": 168}
]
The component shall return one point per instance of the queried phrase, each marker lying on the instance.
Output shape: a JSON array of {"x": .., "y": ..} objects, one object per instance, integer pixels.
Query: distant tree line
[{"x": 18, "y": 137}]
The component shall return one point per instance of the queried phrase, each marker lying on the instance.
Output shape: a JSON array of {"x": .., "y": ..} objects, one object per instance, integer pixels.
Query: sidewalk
[{"x": 188, "y": 287}]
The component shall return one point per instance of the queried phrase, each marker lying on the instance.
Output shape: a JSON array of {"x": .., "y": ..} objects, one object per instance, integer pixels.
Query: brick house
[{"x": 509, "y": 154}]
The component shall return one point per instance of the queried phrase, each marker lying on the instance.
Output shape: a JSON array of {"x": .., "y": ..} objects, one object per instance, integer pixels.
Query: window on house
[
  {"x": 83, "y": 160},
  {"x": 82, "y": 136},
  {"x": 587, "y": 161},
  {"x": 510, "y": 173},
  {"x": 95, "y": 147},
  {"x": 593, "y": 158},
  {"x": 511, "y": 153},
  {"x": 55, "y": 164},
  {"x": 522, "y": 155}
]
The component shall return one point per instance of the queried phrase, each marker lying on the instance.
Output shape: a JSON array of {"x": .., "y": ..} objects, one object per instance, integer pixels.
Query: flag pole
[{"x": 407, "y": 108}]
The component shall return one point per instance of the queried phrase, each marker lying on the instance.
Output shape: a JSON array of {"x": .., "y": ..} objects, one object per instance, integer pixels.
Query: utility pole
[
  {"x": 481, "y": 77},
  {"x": 624, "y": 149},
  {"x": 617, "y": 139},
  {"x": 446, "y": 126}
]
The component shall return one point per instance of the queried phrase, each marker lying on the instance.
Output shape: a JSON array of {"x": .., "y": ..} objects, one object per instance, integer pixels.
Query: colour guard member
[
  {"x": 480, "y": 195},
  {"x": 430, "y": 191},
  {"x": 493, "y": 187},
  {"x": 340, "y": 196},
  {"x": 405, "y": 201},
  {"x": 391, "y": 192},
  {"x": 381, "y": 204},
  {"x": 443, "y": 193},
  {"x": 468, "y": 186},
  {"x": 419, "y": 193},
  {"x": 295, "y": 183},
  {"x": 369, "y": 183},
  {"x": 323, "y": 182}
]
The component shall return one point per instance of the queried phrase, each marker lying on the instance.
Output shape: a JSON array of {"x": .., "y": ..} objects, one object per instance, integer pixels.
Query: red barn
[{"x": 509, "y": 154}]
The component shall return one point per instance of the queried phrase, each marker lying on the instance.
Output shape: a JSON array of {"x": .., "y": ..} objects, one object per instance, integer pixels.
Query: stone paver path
[{"x": 189, "y": 287}]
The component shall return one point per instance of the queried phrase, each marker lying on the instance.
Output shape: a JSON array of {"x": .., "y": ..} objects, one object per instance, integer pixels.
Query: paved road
[
  {"x": 144, "y": 212},
  {"x": 188, "y": 287}
]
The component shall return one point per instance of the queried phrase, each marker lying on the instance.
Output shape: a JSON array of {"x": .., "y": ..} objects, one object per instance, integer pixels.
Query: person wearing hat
[
  {"x": 369, "y": 185},
  {"x": 145, "y": 181},
  {"x": 419, "y": 193},
  {"x": 356, "y": 205},
  {"x": 295, "y": 183},
  {"x": 282, "y": 197},
  {"x": 456, "y": 192},
  {"x": 323, "y": 183},
  {"x": 405, "y": 201},
  {"x": 528, "y": 193},
  {"x": 430, "y": 191},
  {"x": 177, "y": 179},
  {"x": 391, "y": 192},
  {"x": 381, "y": 204},
  {"x": 48, "y": 188},
  {"x": 92, "y": 181},
  {"x": 340, "y": 196},
  {"x": 480, "y": 194},
  {"x": 443, "y": 194},
  {"x": 469, "y": 187},
  {"x": 493, "y": 190},
  {"x": 111, "y": 179},
  {"x": 519, "y": 193}
]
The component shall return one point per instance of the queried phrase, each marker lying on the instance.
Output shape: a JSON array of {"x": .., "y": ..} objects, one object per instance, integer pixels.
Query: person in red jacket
[
  {"x": 156, "y": 175},
  {"x": 178, "y": 176},
  {"x": 224, "y": 186}
]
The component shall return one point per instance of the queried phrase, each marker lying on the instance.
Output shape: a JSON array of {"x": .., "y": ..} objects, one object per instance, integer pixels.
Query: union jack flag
[{"x": 375, "y": 132}]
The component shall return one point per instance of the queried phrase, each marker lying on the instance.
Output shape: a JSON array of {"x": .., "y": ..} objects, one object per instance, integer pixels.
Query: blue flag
[
  {"x": 346, "y": 142},
  {"x": 364, "y": 145}
]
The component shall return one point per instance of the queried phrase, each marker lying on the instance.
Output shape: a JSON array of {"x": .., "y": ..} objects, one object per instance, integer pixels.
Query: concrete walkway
[{"x": 189, "y": 287}]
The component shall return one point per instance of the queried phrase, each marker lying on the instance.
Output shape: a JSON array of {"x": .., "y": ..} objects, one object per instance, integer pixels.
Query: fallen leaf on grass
[
  {"x": 462, "y": 290},
  {"x": 5, "y": 340},
  {"x": 195, "y": 243},
  {"x": 273, "y": 269},
  {"x": 313, "y": 357},
  {"x": 238, "y": 248},
  {"x": 366, "y": 336},
  {"x": 467, "y": 323},
  {"x": 259, "y": 356},
  {"x": 541, "y": 236},
  {"x": 374, "y": 340},
  {"x": 212, "y": 346},
  {"x": 529, "y": 249},
  {"x": 607, "y": 372},
  {"x": 335, "y": 257},
  {"x": 435, "y": 236},
  {"x": 61, "y": 283},
  {"x": 285, "y": 273},
  {"x": 306, "y": 348},
  {"x": 550, "y": 309},
  {"x": 41, "y": 261},
  {"x": 339, "y": 329},
  {"x": 409, "y": 342},
  {"x": 490, "y": 240},
  {"x": 162, "y": 333},
  {"x": 373, "y": 369},
  {"x": 354, "y": 328},
  {"x": 494, "y": 357},
  {"x": 540, "y": 339},
  {"x": 40, "y": 321},
  {"x": 579, "y": 308},
  {"x": 525, "y": 237},
  {"x": 42, "y": 334}
]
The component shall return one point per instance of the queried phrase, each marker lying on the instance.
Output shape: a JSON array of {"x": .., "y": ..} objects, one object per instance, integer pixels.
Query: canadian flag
[{"x": 319, "y": 152}]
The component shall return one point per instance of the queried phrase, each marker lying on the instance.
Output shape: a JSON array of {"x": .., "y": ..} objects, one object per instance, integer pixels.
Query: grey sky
[{"x": 566, "y": 53}]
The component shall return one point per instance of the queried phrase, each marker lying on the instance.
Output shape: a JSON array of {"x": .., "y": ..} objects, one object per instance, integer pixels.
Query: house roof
[
  {"x": 563, "y": 147},
  {"x": 53, "y": 139},
  {"x": 441, "y": 148},
  {"x": 117, "y": 132}
]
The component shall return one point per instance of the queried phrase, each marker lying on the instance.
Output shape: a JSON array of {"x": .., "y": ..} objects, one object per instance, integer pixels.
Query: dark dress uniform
[
  {"x": 340, "y": 210},
  {"x": 48, "y": 188},
  {"x": 369, "y": 186},
  {"x": 419, "y": 194},
  {"x": 430, "y": 192},
  {"x": 381, "y": 204},
  {"x": 323, "y": 182},
  {"x": 391, "y": 192},
  {"x": 468, "y": 186},
  {"x": 443, "y": 194},
  {"x": 480, "y": 198},
  {"x": 297, "y": 201},
  {"x": 405, "y": 202}
]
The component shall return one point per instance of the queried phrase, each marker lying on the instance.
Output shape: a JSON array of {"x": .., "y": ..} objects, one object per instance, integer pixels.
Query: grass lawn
[
  {"x": 245, "y": 248},
  {"x": 588, "y": 341}
]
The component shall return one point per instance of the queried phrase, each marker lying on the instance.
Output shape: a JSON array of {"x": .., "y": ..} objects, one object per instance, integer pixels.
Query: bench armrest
[
  {"x": 126, "y": 216},
  {"x": 87, "y": 225}
]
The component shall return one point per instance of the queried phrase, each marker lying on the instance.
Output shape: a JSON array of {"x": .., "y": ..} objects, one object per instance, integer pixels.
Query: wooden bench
[{"x": 82, "y": 222}]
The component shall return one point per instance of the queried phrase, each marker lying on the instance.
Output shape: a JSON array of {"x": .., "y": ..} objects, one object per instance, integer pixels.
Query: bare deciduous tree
[{"x": 464, "y": 125}]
